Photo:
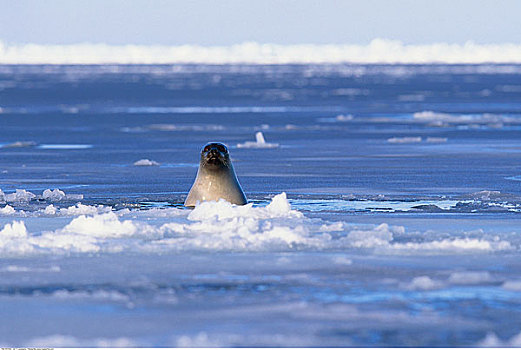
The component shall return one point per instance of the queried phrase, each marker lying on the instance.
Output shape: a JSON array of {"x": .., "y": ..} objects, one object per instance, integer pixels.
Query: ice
[
  {"x": 146, "y": 162},
  {"x": 445, "y": 119},
  {"x": 67, "y": 341},
  {"x": 19, "y": 144},
  {"x": 20, "y": 196},
  {"x": 184, "y": 127},
  {"x": 493, "y": 341},
  {"x": 407, "y": 139},
  {"x": 259, "y": 142},
  {"x": 344, "y": 118},
  {"x": 75, "y": 210},
  {"x": 55, "y": 195},
  {"x": 436, "y": 139},
  {"x": 221, "y": 226},
  {"x": 487, "y": 195},
  {"x": 470, "y": 277},
  {"x": 423, "y": 283},
  {"x": 14, "y": 230},
  {"x": 514, "y": 285},
  {"x": 456, "y": 245},
  {"x": 7, "y": 210},
  {"x": 377, "y": 51}
]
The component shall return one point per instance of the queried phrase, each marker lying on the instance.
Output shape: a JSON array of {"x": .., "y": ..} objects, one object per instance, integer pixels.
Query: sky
[{"x": 227, "y": 22}]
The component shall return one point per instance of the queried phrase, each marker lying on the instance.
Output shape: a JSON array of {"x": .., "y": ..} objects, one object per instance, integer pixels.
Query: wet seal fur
[{"x": 216, "y": 178}]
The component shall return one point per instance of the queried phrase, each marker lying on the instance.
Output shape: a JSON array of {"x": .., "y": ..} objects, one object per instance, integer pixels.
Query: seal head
[{"x": 216, "y": 178}]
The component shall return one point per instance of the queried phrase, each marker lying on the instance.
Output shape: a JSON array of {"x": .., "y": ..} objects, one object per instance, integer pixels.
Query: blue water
[{"x": 343, "y": 158}]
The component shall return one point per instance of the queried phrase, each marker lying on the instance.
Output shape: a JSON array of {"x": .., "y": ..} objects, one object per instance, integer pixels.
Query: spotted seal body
[{"x": 216, "y": 178}]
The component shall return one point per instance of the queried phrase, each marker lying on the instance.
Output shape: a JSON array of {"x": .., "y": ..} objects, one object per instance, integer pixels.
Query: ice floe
[
  {"x": 408, "y": 139},
  {"x": 433, "y": 118},
  {"x": 146, "y": 162},
  {"x": 18, "y": 144},
  {"x": 260, "y": 142}
]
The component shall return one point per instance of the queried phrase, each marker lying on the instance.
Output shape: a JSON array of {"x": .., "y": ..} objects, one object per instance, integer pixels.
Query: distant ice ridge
[
  {"x": 377, "y": 51},
  {"x": 260, "y": 142},
  {"x": 221, "y": 226}
]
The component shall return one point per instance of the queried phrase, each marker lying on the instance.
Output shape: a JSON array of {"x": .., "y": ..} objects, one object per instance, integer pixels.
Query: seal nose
[{"x": 214, "y": 151}]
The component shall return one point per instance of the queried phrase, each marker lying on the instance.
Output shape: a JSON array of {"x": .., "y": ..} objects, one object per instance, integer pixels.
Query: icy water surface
[{"x": 385, "y": 210}]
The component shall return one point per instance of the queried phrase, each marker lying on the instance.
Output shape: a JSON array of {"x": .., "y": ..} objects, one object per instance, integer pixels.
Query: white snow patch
[
  {"x": 67, "y": 341},
  {"x": 379, "y": 236},
  {"x": 436, "y": 139},
  {"x": 455, "y": 245},
  {"x": 260, "y": 142},
  {"x": 344, "y": 118},
  {"x": 408, "y": 139},
  {"x": 423, "y": 283},
  {"x": 492, "y": 341},
  {"x": 146, "y": 162},
  {"x": 514, "y": 285},
  {"x": 104, "y": 225},
  {"x": 7, "y": 210},
  {"x": 342, "y": 260},
  {"x": 470, "y": 277},
  {"x": 19, "y": 144}
]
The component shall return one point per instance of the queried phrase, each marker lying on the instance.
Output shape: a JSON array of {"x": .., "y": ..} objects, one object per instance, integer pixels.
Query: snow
[
  {"x": 19, "y": 144},
  {"x": 470, "y": 277},
  {"x": 20, "y": 196},
  {"x": 423, "y": 283},
  {"x": 377, "y": 51},
  {"x": 407, "y": 139},
  {"x": 53, "y": 195},
  {"x": 146, "y": 162},
  {"x": 260, "y": 142},
  {"x": 221, "y": 226}
]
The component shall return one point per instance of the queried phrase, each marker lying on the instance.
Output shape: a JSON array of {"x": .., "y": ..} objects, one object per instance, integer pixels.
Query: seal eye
[
  {"x": 222, "y": 148},
  {"x": 207, "y": 148}
]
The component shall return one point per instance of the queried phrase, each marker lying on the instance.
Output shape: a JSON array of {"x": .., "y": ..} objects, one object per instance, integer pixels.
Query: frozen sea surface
[{"x": 387, "y": 215}]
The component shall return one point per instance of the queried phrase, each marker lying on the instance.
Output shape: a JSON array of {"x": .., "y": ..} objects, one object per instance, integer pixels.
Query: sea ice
[
  {"x": 20, "y": 196},
  {"x": 413, "y": 139},
  {"x": 19, "y": 144},
  {"x": 55, "y": 195},
  {"x": 470, "y": 277},
  {"x": 146, "y": 162},
  {"x": 259, "y": 143}
]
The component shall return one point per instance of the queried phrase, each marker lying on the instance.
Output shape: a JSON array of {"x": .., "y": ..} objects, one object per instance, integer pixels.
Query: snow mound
[
  {"x": 146, "y": 162},
  {"x": 260, "y": 142}
]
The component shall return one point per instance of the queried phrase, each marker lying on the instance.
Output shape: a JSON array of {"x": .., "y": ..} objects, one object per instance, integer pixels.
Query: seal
[{"x": 216, "y": 178}]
